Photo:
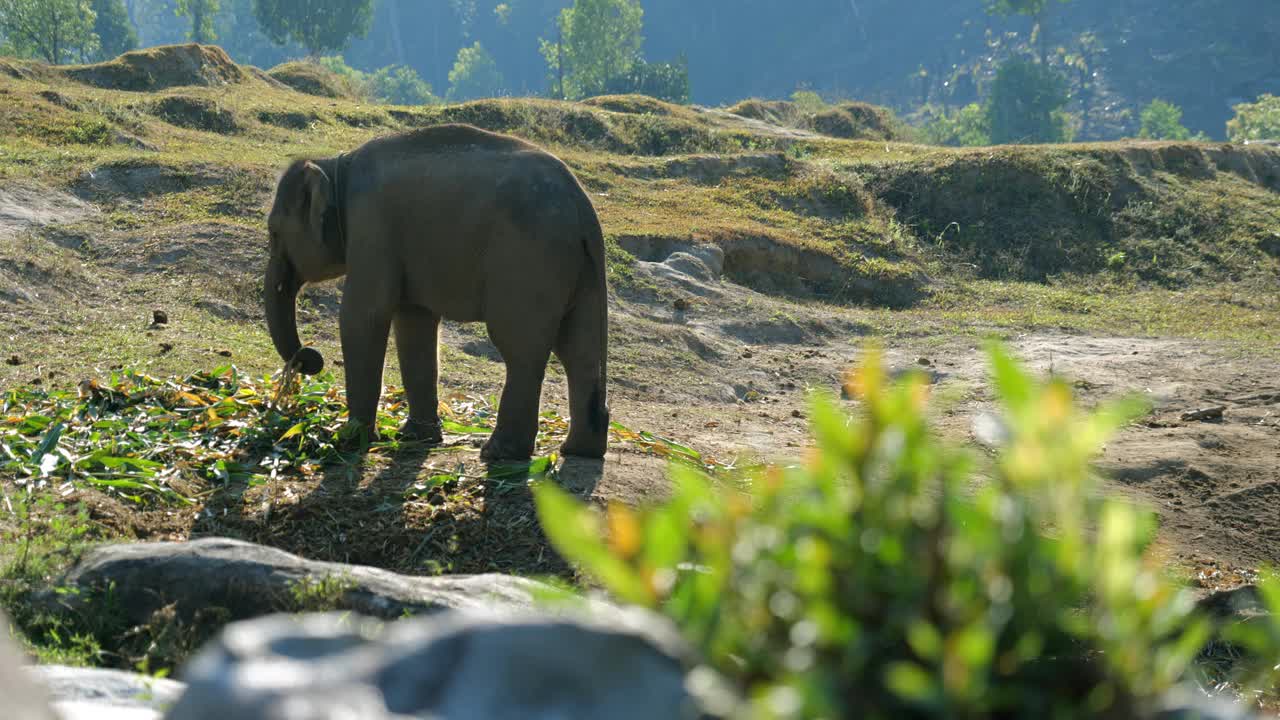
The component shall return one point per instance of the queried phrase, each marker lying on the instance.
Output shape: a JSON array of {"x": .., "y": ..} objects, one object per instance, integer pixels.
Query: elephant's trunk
[{"x": 281, "y": 293}]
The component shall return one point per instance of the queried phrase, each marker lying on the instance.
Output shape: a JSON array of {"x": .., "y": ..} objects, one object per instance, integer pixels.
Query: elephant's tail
[{"x": 594, "y": 241}]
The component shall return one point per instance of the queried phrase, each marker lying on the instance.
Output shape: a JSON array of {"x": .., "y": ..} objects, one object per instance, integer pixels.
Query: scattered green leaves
[{"x": 145, "y": 439}]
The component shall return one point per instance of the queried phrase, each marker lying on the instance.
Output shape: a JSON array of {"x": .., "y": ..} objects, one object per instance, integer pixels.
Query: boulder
[
  {"x": 248, "y": 580},
  {"x": 449, "y": 665},
  {"x": 100, "y": 694}
]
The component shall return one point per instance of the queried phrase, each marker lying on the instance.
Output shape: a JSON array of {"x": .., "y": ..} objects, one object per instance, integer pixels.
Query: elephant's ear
[{"x": 315, "y": 195}]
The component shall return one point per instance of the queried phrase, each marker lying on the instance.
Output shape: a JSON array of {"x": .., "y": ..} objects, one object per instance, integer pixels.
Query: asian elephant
[{"x": 454, "y": 222}]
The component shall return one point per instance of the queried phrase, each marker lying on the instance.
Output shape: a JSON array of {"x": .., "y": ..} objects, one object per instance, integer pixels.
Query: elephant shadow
[{"x": 384, "y": 512}]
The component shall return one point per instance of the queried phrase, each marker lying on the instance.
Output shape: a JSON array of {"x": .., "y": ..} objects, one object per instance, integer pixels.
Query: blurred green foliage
[{"x": 878, "y": 580}]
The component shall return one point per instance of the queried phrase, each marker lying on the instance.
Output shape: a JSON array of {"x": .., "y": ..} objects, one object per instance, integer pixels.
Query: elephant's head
[{"x": 306, "y": 247}]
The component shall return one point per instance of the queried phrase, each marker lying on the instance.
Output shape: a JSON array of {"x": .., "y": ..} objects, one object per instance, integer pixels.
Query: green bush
[
  {"x": 391, "y": 85},
  {"x": 876, "y": 580},
  {"x": 1163, "y": 121},
  {"x": 1256, "y": 121},
  {"x": 968, "y": 126},
  {"x": 399, "y": 85},
  {"x": 1027, "y": 104},
  {"x": 808, "y": 102},
  {"x": 664, "y": 81}
]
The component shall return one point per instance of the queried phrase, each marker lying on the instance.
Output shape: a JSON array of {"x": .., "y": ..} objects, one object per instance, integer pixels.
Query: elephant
[{"x": 454, "y": 222}]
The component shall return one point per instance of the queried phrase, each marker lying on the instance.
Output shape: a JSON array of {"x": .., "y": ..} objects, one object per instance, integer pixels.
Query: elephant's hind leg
[
  {"x": 417, "y": 346},
  {"x": 579, "y": 348}
]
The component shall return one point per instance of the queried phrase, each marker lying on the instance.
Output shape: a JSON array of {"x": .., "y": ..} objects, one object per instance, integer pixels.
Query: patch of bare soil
[{"x": 27, "y": 205}]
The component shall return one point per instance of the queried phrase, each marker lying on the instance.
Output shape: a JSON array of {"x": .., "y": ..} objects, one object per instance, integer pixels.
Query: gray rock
[
  {"x": 22, "y": 698},
  {"x": 94, "y": 694},
  {"x": 690, "y": 265},
  {"x": 251, "y": 580},
  {"x": 450, "y": 665}
]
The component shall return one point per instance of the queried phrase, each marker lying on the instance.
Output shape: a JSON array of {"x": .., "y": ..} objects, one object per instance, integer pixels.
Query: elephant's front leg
[
  {"x": 364, "y": 350},
  {"x": 417, "y": 345}
]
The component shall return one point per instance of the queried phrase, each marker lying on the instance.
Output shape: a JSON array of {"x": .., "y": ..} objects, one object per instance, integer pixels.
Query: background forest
[{"x": 1098, "y": 65}]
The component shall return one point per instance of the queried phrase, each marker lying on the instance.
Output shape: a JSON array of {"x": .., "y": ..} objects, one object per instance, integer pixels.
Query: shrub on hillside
[
  {"x": 664, "y": 81},
  {"x": 391, "y": 85},
  {"x": 1258, "y": 120},
  {"x": 398, "y": 85},
  {"x": 875, "y": 580},
  {"x": 808, "y": 102},
  {"x": 968, "y": 126},
  {"x": 1027, "y": 104},
  {"x": 1163, "y": 121}
]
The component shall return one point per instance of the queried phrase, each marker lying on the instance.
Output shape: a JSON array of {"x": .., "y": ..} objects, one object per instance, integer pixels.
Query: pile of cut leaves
[{"x": 147, "y": 439}]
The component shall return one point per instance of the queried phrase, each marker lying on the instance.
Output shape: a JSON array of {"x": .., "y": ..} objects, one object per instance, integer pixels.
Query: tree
[
  {"x": 1026, "y": 104},
  {"x": 475, "y": 74},
  {"x": 598, "y": 40},
  {"x": 56, "y": 31},
  {"x": 1037, "y": 10},
  {"x": 320, "y": 26},
  {"x": 1256, "y": 121},
  {"x": 114, "y": 29},
  {"x": 202, "y": 13},
  {"x": 1163, "y": 121}
]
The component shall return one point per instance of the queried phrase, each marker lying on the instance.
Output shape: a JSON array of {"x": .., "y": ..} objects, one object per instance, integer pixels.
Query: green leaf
[
  {"x": 575, "y": 531},
  {"x": 295, "y": 430},
  {"x": 1011, "y": 381},
  {"x": 455, "y": 428},
  {"x": 47, "y": 445}
]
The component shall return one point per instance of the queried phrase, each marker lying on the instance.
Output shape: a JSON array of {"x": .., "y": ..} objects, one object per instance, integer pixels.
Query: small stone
[
  {"x": 13, "y": 360},
  {"x": 924, "y": 361},
  {"x": 797, "y": 414},
  {"x": 159, "y": 317},
  {"x": 747, "y": 353}
]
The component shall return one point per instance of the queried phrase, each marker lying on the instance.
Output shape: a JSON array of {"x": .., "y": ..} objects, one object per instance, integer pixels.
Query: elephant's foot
[
  {"x": 498, "y": 448},
  {"x": 426, "y": 431},
  {"x": 356, "y": 436},
  {"x": 585, "y": 446}
]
